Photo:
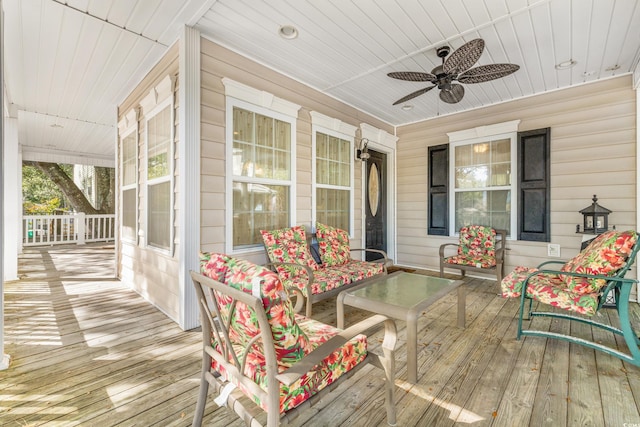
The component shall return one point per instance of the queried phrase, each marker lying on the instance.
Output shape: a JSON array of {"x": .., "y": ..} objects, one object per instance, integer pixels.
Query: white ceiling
[{"x": 68, "y": 64}]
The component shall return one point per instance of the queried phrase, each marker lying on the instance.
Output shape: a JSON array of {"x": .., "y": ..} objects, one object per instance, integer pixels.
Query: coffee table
[{"x": 402, "y": 296}]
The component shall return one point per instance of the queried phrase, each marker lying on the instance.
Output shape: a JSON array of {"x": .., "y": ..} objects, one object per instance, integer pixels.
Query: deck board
[{"x": 88, "y": 351}]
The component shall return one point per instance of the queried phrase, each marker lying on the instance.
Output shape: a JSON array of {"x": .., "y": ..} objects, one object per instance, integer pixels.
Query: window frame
[
  {"x": 315, "y": 129},
  {"x": 135, "y": 185},
  {"x": 231, "y": 178},
  {"x": 166, "y": 178},
  {"x": 512, "y": 136}
]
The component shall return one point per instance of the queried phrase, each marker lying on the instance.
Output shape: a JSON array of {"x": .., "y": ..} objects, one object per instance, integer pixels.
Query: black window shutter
[
  {"x": 534, "y": 185},
  {"x": 439, "y": 190}
]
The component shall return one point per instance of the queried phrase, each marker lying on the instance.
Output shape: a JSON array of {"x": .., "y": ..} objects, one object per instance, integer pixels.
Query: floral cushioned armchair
[
  {"x": 580, "y": 286},
  {"x": 288, "y": 250},
  {"x": 479, "y": 249},
  {"x": 255, "y": 344}
]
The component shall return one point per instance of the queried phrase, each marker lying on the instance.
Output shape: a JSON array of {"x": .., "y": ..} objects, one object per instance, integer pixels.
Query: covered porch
[{"x": 88, "y": 351}]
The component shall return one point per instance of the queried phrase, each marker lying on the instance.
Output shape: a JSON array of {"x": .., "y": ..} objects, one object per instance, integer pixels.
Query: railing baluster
[{"x": 58, "y": 229}]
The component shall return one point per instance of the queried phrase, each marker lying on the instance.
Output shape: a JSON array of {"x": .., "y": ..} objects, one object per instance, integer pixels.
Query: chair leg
[
  {"x": 307, "y": 307},
  {"x": 204, "y": 391},
  {"x": 628, "y": 333},
  {"x": 389, "y": 366}
]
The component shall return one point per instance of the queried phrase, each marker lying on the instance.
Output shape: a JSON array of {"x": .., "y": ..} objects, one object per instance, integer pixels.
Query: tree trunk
[
  {"x": 71, "y": 191},
  {"x": 105, "y": 184}
]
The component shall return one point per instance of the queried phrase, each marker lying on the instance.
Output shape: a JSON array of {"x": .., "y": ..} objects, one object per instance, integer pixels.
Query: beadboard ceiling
[{"x": 68, "y": 64}]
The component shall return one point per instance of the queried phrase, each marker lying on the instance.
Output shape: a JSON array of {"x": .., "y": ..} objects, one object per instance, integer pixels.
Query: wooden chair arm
[
  {"x": 300, "y": 297},
  {"x": 375, "y": 251},
  {"x": 443, "y": 246},
  {"x": 306, "y": 364}
]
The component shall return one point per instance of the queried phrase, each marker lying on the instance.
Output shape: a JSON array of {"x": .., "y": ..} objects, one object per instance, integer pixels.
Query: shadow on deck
[{"x": 87, "y": 350}]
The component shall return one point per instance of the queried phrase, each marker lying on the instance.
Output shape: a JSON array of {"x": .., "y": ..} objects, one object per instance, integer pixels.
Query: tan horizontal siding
[
  {"x": 218, "y": 62},
  {"x": 593, "y": 151},
  {"x": 151, "y": 273}
]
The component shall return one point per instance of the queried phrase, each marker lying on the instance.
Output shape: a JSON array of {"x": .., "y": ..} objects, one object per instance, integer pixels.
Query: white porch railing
[{"x": 60, "y": 229}]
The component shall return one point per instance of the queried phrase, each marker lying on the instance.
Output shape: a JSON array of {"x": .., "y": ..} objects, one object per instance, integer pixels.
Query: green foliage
[
  {"x": 46, "y": 208},
  {"x": 40, "y": 195}
]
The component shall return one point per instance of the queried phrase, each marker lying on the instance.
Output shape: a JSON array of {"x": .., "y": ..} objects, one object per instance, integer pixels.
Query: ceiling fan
[{"x": 456, "y": 67}]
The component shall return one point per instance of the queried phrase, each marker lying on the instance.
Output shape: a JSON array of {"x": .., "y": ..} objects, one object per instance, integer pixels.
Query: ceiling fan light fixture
[
  {"x": 565, "y": 65},
  {"x": 407, "y": 107},
  {"x": 288, "y": 32}
]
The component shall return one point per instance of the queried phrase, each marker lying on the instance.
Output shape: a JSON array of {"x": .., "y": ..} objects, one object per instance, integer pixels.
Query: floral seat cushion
[
  {"x": 333, "y": 244},
  {"x": 476, "y": 247},
  {"x": 359, "y": 270},
  {"x": 326, "y": 279},
  {"x": 294, "y": 335},
  {"x": 606, "y": 255},
  {"x": 549, "y": 289}
]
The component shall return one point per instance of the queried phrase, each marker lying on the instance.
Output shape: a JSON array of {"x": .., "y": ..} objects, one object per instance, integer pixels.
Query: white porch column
[
  {"x": 12, "y": 198},
  {"x": 4, "y": 358},
  {"x": 189, "y": 173}
]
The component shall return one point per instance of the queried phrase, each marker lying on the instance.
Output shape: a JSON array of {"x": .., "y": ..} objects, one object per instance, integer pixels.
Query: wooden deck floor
[{"x": 87, "y": 351}]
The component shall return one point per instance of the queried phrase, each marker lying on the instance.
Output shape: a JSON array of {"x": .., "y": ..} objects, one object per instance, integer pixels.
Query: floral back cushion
[
  {"x": 289, "y": 340},
  {"x": 214, "y": 265},
  {"x": 288, "y": 245},
  {"x": 606, "y": 255},
  {"x": 333, "y": 244},
  {"x": 477, "y": 241}
]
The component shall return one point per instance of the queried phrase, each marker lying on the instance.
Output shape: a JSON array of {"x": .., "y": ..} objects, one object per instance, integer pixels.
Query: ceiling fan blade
[
  {"x": 484, "y": 73},
  {"x": 413, "y": 76},
  {"x": 454, "y": 95},
  {"x": 413, "y": 95},
  {"x": 464, "y": 57}
]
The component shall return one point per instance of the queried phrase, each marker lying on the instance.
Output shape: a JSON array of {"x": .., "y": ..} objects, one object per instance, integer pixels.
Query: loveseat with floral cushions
[
  {"x": 289, "y": 253},
  {"x": 254, "y": 344},
  {"x": 577, "y": 290}
]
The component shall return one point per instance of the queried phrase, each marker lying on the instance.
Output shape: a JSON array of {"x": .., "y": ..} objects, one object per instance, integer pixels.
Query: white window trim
[
  {"x": 230, "y": 178},
  {"x": 506, "y": 130},
  {"x": 168, "y": 178},
  {"x": 133, "y": 127},
  {"x": 314, "y": 185}
]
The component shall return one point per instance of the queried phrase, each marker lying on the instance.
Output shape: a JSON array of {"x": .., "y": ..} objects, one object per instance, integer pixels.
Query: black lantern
[{"x": 596, "y": 218}]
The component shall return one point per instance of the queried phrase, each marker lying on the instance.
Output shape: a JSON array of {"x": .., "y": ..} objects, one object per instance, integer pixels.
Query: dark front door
[{"x": 375, "y": 189}]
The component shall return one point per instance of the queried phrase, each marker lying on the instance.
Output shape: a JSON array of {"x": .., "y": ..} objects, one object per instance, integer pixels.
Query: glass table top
[{"x": 404, "y": 289}]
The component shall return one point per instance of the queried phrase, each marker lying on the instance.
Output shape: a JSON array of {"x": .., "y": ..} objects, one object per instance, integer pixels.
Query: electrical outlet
[{"x": 553, "y": 250}]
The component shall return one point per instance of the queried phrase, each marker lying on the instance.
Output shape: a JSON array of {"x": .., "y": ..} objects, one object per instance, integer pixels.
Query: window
[
  {"x": 333, "y": 180},
  {"x": 129, "y": 158},
  {"x": 492, "y": 175},
  {"x": 159, "y": 177},
  {"x": 482, "y": 182},
  {"x": 261, "y": 163}
]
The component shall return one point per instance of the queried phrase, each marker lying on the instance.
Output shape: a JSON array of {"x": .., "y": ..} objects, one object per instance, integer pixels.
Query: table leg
[
  {"x": 461, "y": 306},
  {"x": 412, "y": 347},
  {"x": 340, "y": 311}
]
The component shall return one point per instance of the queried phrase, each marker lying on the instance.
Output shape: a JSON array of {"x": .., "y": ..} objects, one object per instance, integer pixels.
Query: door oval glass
[{"x": 374, "y": 189}]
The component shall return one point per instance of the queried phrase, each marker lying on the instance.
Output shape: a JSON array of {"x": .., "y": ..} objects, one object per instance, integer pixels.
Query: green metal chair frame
[{"x": 618, "y": 284}]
